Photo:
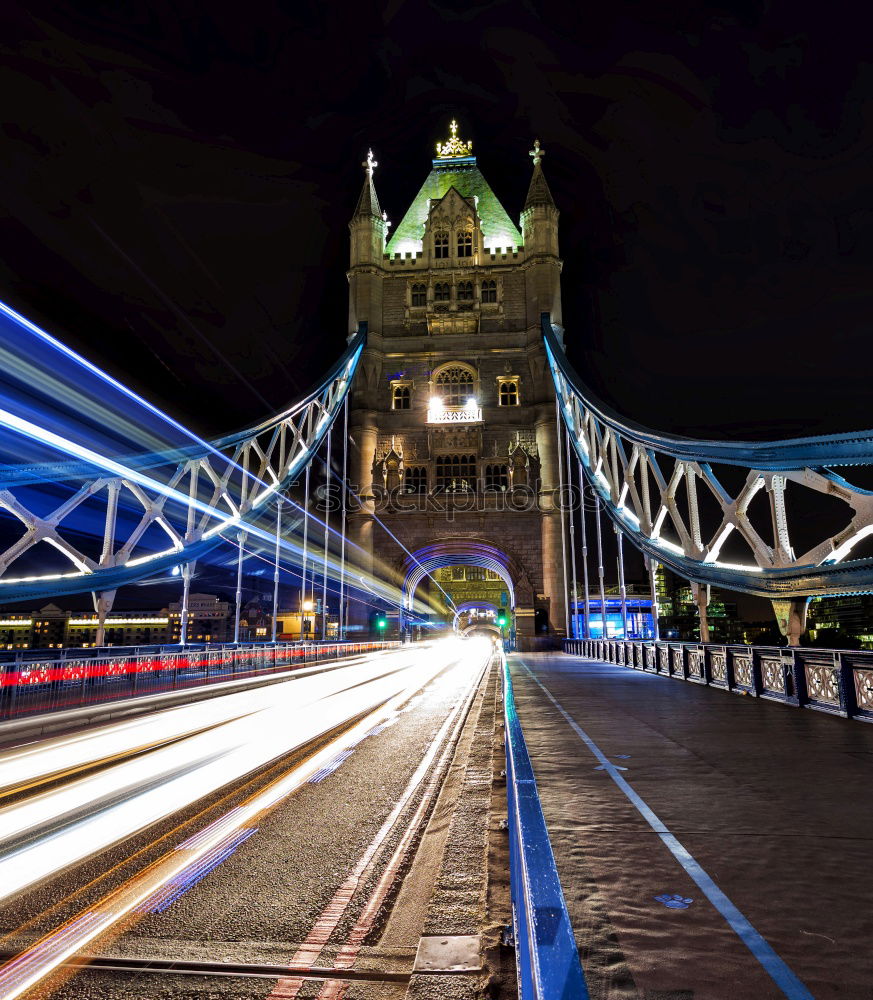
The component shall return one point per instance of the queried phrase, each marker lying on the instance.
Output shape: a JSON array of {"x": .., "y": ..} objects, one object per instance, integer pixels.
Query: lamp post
[{"x": 306, "y": 607}]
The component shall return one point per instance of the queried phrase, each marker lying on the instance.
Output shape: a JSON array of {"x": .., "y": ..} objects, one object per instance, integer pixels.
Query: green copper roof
[{"x": 465, "y": 177}]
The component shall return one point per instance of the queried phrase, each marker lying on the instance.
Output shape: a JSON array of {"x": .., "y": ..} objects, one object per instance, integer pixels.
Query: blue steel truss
[
  {"x": 193, "y": 494},
  {"x": 640, "y": 474}
]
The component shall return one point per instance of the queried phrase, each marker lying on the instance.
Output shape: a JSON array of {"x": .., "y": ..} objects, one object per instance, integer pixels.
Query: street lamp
[{"x": 307, "y": 607}]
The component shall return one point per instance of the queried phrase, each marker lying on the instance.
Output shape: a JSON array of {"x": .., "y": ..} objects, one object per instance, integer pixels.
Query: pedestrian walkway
[{"x": 709, "y": 846}]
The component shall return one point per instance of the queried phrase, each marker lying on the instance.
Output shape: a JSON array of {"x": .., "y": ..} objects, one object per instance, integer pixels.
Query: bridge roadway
[
  {"x": 700, "y": 836},
  {"x": 333, "y": 820}
]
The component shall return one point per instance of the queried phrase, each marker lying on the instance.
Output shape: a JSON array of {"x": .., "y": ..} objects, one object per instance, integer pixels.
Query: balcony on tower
[{"x": 439, "y": 412}]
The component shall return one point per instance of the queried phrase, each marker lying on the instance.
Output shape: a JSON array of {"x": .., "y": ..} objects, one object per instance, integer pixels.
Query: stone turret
[
  {"x": 539, "y": 225},
  {"x": 368, "y": 228}
]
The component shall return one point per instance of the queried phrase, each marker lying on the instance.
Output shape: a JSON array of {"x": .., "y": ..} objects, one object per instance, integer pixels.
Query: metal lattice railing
[
  {"x": 839, "y": 682},
  {"x": 191, "y": 495},
  {"x": 651, "y": 486}
]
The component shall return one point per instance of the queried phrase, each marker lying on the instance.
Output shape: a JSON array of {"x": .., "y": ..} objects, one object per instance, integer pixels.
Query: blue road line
[{"x": 773, "y": 965}]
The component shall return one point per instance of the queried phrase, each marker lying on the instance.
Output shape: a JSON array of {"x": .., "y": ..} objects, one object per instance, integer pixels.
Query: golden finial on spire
[
  {"x": 453, "y": 147},
  {"x": 537, "y": 153},
  {"x": 369, "y": 164}
]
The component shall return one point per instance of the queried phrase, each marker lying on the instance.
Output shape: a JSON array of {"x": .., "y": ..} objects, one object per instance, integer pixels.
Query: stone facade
[{"x": 452, "y": 415}]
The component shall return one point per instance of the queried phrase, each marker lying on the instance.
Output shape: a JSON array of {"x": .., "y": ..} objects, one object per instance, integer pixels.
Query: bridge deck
[{"x": 759, "y": 815}]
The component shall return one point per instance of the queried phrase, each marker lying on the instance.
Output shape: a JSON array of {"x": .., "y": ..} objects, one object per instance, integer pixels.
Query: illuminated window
[
  {"x": 465, "y": 291},
  {"x": 497, "y": 478},
  {"x": 419, "y": 295},
  {"x": 465, "y": 244},
  {"x": 400, "y": 397},
  {"x": 489, "y": 291},
  {"x": 441, "y": 245},
  {"x": 475, "y": 573},
  {"x": 455, "y": 385},
  {"x": 456, "y": 473},
  {"x": 490, "y": 574},
  {"x": 508, "y": 392},
  {"x": 442, "y": 292},
  {"x": 415, "y": 479}
]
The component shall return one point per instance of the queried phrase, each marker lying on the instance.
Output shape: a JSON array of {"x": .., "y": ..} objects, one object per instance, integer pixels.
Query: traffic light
[
  {"x": 501, "y": 619},
  {"x": 381, "y": 622}
]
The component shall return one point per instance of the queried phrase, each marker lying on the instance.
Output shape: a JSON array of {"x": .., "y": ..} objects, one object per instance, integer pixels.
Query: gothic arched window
[
  {"x": 465, "y": 244},
  {"x": 489, "y": 291},
  {"x": 465, "y": 291},
  {"x": 455, "y": 385},
  {"x": 456, "y": 473},
  {"x": 508, "y": 392},
  {"x": 497, "y": 478},
  {"x": 400, "y": 397},
  {"x": 441, "y": 244},
  {"x": 442, "y": 292},
  {"x": 419, "y": 295},
  {"x": 415, "y": 479}
]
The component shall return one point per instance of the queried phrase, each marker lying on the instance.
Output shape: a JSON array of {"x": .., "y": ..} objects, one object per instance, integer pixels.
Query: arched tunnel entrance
[{"x": 481, "y": 587}]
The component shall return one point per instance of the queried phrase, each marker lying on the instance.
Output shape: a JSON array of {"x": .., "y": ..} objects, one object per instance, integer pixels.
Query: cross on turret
[
  {"x": 537, "y": 153},
  {"x": 369, "y": 164}
]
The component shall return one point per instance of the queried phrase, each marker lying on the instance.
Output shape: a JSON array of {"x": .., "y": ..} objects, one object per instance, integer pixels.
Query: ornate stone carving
[
  {"x": 772, "y": 676},
  {"x": 453, "y": 147},
  {"x": 454, "y": 440},
  {"x": 823, "y": 683},
  {"x": 695, "y": 663},
  {"x": 743, "y": 671},
  {"x": 718, "y": 667},
  {"x": 864, "y": 689}
]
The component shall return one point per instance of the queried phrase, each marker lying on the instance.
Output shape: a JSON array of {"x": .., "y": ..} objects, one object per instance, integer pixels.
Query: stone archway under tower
[
  {"x": 478, "y": 552},
  {"x": 482, "y": 628}
]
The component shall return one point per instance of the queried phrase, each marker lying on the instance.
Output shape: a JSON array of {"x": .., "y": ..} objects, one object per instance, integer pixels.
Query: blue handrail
[{"x": 547, "y": 959}]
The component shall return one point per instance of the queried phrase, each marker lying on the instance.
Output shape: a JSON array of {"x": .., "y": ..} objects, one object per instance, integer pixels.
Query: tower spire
[
  {"x": 368, "y": 203},
  {"x": 538, "y": 193}
]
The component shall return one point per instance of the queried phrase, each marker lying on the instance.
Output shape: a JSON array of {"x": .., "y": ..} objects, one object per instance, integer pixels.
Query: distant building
[
  {"x": 639, "y": 617},
  {"x": 678, "y": 617},
  {"x": 851, "y": 615},
  {"x": 209, "y": 619},
  {"x": 53, "y": 628}
]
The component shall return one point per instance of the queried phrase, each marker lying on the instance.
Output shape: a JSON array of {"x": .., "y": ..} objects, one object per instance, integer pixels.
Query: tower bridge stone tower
[{"x": 452, "y": 414}]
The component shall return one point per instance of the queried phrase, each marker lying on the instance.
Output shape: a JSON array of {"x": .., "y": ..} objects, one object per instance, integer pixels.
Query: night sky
[{"x": 176, "y": 186}]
